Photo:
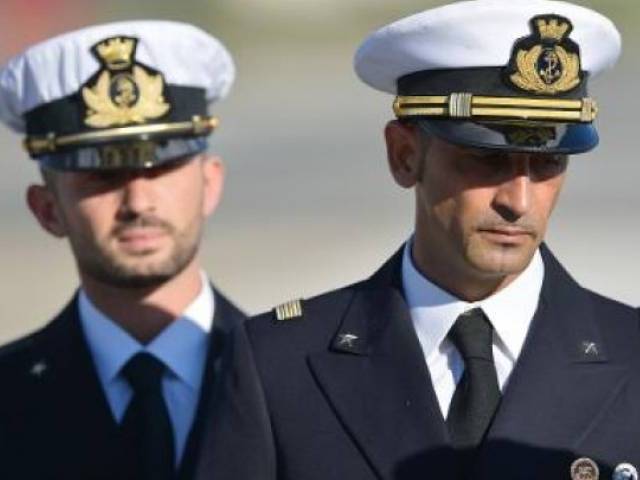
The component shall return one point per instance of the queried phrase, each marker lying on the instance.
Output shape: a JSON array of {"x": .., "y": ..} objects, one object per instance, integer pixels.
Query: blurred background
[{"x": 309, "y": 204}]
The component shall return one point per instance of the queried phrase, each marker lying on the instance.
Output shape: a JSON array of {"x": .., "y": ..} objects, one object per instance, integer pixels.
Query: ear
[
  {"x": 404, "y": 153},
  {"x": 44, "y": 206},
  {"x": 213, "y": 174}
]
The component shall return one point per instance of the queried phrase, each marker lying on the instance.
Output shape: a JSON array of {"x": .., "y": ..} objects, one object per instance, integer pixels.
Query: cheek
[
  {"x": 186, "y": 204},
  {"x": 91, "y": 217},
  {"x": 547, "y": 195},
  {"x": 461, "y": 213}
]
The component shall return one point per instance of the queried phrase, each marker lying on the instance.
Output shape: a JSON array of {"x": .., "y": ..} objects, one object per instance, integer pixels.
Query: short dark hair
[
  {"x": 425, "y": 141},
  {"x": 48, "y": 176}
]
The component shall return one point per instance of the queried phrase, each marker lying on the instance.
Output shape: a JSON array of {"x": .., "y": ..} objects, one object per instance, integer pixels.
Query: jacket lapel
[
  {"x": 226, "y": 317},
  {"x": 376, "y": 378},
  {"x": 76, "y": 408},
  {"x": 560, "y": 384},
  {"x": 68, "y": 402}
]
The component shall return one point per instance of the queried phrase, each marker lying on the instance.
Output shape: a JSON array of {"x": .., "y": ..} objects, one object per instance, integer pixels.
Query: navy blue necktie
[
  {"x": 146, "y": 424},
  {"x": 477, "y": 394}
]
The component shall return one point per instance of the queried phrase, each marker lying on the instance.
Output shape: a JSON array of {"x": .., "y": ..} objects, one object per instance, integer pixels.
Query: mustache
[{"x": 142, "y": 221}]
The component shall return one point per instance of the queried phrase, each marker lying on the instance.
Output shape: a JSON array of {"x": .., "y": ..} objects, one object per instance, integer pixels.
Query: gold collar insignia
[
  {"x": 125, "y": 92},
  {"x": 547, "y": 62}
]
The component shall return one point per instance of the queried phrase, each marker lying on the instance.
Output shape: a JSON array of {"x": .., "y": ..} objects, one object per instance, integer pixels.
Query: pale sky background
[{"x": 309, "y": 204}]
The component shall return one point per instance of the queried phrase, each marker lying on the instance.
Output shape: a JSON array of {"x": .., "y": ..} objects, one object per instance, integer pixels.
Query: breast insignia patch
[{"x": 289, "y": 310}]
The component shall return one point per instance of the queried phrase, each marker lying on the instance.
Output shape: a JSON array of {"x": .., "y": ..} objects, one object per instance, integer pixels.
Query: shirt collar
[
  {"x": 434, "y": 311},
  {"x": 512, "y": 308},
  {"x": 182, "y": 346}
]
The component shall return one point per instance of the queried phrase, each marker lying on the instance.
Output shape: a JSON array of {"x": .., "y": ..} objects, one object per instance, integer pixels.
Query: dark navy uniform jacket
[
  {"x": 298, "y": 402},
  {"x": 55, "y": 421}
]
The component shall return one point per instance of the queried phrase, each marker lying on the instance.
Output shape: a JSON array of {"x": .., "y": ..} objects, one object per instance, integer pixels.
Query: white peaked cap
[
  {"x": 59, "y": 67},
  {"x": 476, "y": 33}
]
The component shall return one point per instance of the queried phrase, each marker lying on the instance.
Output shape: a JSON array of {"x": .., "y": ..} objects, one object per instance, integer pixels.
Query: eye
[
  {"x": 486, "y": 162},
  {"x": 104, "y": 177},
  {"x": 97, "y": 180},
  {"x": 487, "y": 156},
  {"x": 549, "y": 165}
]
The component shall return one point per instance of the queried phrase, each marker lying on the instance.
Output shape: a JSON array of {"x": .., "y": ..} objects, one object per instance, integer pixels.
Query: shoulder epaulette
[{"x": 289, "y": 310}]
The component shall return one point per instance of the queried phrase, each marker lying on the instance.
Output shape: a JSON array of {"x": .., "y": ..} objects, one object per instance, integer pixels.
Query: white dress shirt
[
  {"x": 182, "y": 347},
  {"x": 434, "y": 311}
]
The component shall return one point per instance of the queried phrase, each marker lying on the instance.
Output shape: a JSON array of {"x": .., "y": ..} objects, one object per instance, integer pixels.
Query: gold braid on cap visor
[
  {"x": 198, "y": 126},
  {"x": 468, "y": 106}
]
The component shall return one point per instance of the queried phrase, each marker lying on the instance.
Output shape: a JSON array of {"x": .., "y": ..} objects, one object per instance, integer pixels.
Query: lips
[
  {"x": 509, "y": 231},
  {"x": 507, "y": 234},
  {"x": 141, "y": 238}
]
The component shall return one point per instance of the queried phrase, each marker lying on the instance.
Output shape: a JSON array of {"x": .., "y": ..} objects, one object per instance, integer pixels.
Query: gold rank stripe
[
  {"x": 198, "y": 126},
  {"x": 468, "y": 106},
  {"x": 289, "y": 310}
]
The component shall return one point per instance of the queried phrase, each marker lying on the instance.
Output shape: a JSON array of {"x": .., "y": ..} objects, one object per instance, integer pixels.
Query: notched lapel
[
  {"x": 226, "y": 317},
  {"x": 560, "y": 387},
  {"x": 74, "y": 406},
  {"x": 376, "y": 379}
]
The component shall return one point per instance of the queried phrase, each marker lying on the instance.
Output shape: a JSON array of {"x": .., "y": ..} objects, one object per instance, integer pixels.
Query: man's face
[
  {"x": 132, "y": 229},
  {"x": 482, "y": 213}
]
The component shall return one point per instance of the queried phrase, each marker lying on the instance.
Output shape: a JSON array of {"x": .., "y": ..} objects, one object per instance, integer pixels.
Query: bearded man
[{"x": 117, "y": 385}]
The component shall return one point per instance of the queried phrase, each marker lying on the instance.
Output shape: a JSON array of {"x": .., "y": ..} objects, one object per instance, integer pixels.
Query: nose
[
  {"x": 137, "y": 195},
  {"x": 513, "y": 196}
]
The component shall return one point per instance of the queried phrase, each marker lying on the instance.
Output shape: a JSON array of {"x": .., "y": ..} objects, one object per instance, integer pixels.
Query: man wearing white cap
[
  {"x": 471, "y": 353},
  {"x": 118, "y": 384}
]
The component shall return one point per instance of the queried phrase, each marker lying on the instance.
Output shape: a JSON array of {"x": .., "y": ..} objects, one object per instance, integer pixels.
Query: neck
[
  {"x": 452, "y": 278},
  {"x": 145, "y": 312}
]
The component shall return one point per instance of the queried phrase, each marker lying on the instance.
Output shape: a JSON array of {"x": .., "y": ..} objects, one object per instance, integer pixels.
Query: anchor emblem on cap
[{"x": 547, "y": 62}]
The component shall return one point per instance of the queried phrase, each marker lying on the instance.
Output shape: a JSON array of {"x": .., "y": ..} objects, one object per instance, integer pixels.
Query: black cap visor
[
  {"x": 125, "y": 155},
  {"x": 514, "y": 136}
]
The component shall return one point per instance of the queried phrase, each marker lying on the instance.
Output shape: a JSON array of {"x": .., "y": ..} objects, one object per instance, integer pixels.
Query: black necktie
[
  {"x": 477, "y": 395},
  {"x": 146, "y": 424}
]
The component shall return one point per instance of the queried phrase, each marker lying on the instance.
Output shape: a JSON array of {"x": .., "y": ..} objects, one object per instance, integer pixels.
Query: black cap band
[
  {"x": 487, "y": 81},
  {"x": 66, "y": 116}
]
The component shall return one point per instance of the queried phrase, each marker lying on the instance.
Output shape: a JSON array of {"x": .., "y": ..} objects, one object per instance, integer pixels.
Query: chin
[
  {"x": 138, "y": 281},
  {"x": 498, "y": 261}
]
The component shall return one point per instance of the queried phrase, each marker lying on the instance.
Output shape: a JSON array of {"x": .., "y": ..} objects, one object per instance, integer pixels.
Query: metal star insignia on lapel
[
  {"x": 39, "y": 368},
  {"x": 590, "y": 349},
  {"x": 347, "y": 340}
]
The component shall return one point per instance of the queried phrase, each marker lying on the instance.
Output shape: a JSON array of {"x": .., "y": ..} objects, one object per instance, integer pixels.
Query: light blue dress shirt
[{"x": 182, "y": 347}]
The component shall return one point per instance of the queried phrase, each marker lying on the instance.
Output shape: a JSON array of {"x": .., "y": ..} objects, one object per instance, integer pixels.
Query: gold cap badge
[
  {"x": 125, "y": 92},
  {"x": 117, "y": 52},
  {"x": 546, "y": 62}
]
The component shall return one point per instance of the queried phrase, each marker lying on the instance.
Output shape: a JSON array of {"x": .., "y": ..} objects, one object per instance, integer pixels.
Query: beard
[{"x": 107, "y": 265}]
